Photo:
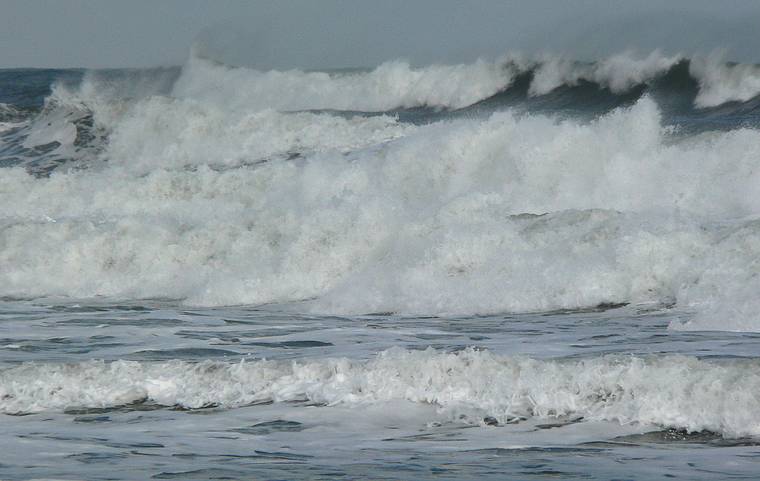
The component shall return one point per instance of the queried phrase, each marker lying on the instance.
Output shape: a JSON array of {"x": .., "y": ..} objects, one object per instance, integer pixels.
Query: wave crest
[
  {"x": 671, "y": 391},
  {"x": 390, "y": 86},
  {"x": 396, "y": 85}
]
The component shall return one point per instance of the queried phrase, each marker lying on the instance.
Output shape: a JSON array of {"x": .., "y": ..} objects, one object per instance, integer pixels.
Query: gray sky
[{"x": 362, "y": 33}]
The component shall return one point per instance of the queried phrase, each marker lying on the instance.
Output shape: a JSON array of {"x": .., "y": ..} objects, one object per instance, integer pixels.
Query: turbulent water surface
[{"x": 533, "y": 267}]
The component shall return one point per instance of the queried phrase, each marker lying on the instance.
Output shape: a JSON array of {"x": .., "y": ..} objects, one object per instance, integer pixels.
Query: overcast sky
[{"x": 362, "y": 33}]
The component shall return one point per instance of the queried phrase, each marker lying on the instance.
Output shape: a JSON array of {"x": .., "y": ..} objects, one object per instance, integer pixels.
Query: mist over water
[{"x": 478, "y": 252}]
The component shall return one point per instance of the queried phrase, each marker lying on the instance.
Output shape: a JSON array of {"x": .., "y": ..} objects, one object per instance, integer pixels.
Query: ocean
[{"x": 532, "y": 267}]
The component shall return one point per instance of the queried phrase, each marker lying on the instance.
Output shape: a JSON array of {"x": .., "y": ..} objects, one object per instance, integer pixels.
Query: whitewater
[{"x": 506, "y": 263}]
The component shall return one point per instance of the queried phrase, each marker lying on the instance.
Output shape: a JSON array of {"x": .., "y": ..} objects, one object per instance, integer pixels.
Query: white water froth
[
  {"x": 619, "y": 73},
  {"x": 376, "y": 216},
  {"x": 391, "y": 85},
  {"x": 670, "y": 391},
  {"x": 721, "y": 82},
  {"x": 171, "y": 133}
]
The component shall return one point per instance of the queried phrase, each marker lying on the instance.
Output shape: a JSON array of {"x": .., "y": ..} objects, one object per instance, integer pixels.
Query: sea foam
[
  {"x": 502, "y": 214},
  {"x": 671, "y": 391},
  {"x": 187, "y": 191}
]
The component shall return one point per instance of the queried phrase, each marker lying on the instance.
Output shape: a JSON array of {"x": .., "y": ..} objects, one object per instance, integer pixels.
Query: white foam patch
[
  {"x": 671, "y": 391},
  {"x": 54, "y": 126},
  {"x": 425, "y": 223},
  {"x": 725, "y": 294}
]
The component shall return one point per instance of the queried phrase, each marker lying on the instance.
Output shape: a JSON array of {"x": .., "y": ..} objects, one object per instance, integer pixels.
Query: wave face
[
  {"x": 710, "y": 81},
  {"x": 508, "y": 186},
  {"x": 672, "y": 391},
  {"x": 390, "y": 86}
]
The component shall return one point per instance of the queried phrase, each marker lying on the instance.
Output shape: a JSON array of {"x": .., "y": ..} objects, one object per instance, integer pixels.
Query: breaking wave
[
  {"x": 397, "y": 85},
  {"x": 671, "y": 391},
  {"x": 390, "y": 86},
  {"x": 219, "y": 185}
]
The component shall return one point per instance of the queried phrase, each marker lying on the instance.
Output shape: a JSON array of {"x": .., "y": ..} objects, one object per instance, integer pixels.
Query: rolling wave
[
  {"x": 467, "y": 190},
  {"x": 396, "y": 85},
  {"x": 76, "y": 118},
  {"x": 470, "y": 387}
]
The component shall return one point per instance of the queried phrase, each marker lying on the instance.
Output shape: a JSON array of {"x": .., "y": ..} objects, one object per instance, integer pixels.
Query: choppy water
[
  {"x": 325, "y": 427},
  {"x": 526, "y": 268}
]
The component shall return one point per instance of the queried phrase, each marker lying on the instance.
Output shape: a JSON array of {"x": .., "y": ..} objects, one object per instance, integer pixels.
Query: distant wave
[
  {"x": 395, "y": 85},
  {"x": 390, "y": 86},
  {"x": 468, "y": 387},
  {"x": 87, "y": 112}
]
